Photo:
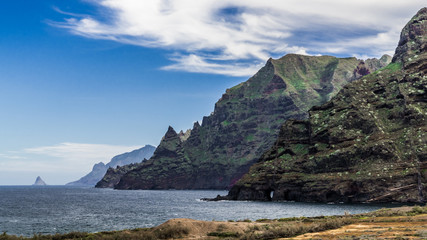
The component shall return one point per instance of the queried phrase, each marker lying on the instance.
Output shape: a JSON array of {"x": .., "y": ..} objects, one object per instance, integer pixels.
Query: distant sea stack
[
  {"x": 99, "y": 169},
  {"x": 367, "y": 144},
  {"x": 39, "y": 182},
  {"x": 244, "y": 124}
]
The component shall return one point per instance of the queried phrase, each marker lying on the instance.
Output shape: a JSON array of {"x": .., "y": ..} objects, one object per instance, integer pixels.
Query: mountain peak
[
  {"x": 411, "y": 50},
  {"x": 196, "y": 125},
  {"x": 184, "y": 135},
  {"x": 171, "y": 133}
]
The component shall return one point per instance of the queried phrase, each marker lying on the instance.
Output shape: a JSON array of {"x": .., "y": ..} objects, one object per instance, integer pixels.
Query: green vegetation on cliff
[
  {"x": 245, "y": 123},
  {"x": 367, "y": 144}
]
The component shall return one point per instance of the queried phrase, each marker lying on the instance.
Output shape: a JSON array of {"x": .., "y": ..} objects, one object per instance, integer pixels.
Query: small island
[{"x": 39, "y": 182}]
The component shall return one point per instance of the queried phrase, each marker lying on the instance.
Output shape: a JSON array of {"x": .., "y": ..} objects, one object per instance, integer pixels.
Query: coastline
[{"x": 401, "y": 222}]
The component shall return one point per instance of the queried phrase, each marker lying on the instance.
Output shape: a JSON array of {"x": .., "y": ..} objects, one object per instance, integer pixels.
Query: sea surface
[{"x": 27, "y": 210}]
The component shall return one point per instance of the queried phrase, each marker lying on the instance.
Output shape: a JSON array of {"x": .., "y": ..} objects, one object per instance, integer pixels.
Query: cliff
[
  {"x": 100, "y": 169},
  {"x": 367, "y": 144},
  {"x": 113, "y": 175},
  {"x": 245, "y": 123}
]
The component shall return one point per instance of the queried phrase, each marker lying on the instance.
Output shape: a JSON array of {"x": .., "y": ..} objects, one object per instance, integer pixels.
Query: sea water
[{"x": 27, "y": 210}]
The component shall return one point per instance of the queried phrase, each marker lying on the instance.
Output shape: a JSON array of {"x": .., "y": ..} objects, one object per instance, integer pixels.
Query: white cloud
[
  {"x": 78, "y": 154},
  {"x": 194, "y": 63},
  {"x": 70, "y": 159},
  {"x": 10, "y": 155},
  {"x": 209, "y": 34}
]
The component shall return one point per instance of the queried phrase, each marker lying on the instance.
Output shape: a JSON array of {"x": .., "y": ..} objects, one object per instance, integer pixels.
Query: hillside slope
[
  {"x": 99, "y": 169},
  {"x": 245, "y": 123},
  {"x": 367, "y": 144}
]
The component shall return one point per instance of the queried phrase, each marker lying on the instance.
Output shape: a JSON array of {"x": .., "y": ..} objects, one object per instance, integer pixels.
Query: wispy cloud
[
  {"x": 63, "y": 157},
  {"x": 82, "y": 153},
  {"x": 235, "y": 37},
  {"x": 11, "y": 155},
  {"x": 198, "y": 64}
]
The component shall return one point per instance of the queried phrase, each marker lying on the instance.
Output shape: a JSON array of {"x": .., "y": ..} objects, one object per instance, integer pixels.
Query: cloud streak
[
  {"x": 235, "y": 37},
  {"x": 65, "y": 161},
  {"x": 63, "y": 157}
]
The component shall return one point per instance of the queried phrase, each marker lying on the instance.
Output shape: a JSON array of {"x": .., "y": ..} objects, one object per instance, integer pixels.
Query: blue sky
[{"x": 84, "y": 80}]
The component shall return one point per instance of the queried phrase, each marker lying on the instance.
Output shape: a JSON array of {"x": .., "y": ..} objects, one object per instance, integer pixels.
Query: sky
[{"x": 83, "y": 80}]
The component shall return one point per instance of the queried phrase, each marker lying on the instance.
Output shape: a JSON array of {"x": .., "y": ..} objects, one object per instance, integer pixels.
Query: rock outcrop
[
  {"x": 39, "y": 182},
  {"x": 100, "y": 169},
  {"x": 245, "y": 123},
  {"x": 113, "y": 175},
  {"x": 367, "y": 144}
]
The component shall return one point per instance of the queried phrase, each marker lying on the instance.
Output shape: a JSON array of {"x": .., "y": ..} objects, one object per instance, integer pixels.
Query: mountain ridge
[
  {"x": 367, "y": 144},
  {"x": 100, "y": 169},
  {"x": 244, "y": 124}
]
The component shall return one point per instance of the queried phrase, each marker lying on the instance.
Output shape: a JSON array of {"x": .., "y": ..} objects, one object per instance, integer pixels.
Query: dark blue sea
[{"x": 26, "y": 210}]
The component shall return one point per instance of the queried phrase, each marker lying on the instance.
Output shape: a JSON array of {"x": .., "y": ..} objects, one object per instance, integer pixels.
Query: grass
[
  {"x": 294, "y": 228},
  {"x": 393, "y": 67},
  {"x": 174, "y": 231},
  {"x": 168, "y": 232}
]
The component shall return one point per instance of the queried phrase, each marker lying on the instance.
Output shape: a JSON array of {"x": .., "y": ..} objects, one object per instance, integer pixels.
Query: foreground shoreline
[{"x": 395, "y": 223}]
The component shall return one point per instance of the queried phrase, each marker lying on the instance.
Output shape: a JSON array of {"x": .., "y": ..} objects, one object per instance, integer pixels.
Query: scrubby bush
[
  {"x": 224, "y": 234},
  {"x": 174, "y": 231}
]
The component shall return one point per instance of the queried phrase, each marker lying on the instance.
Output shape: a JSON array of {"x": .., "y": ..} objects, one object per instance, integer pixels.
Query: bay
[{"x": 28, "y": 210}]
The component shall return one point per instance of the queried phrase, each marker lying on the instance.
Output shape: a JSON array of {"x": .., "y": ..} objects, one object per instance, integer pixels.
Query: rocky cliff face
[
  {"x": 112, "y": 176},
  {"x": 367, "y": 144},
  {"x": 100, "y": 169},
  {"x": 245, "y": 123}
]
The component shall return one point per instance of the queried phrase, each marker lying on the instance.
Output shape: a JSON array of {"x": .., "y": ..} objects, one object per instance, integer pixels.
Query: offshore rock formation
[
  {"x": 39, "y": 182},
  {"x": 99, "y": 169},
  {"x": 244, "y": 124},
  {"x": 367, "y": 144}
]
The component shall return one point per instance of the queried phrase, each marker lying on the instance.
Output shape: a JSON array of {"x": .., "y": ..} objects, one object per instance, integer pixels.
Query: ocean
[{"x": 28, "y": 210}]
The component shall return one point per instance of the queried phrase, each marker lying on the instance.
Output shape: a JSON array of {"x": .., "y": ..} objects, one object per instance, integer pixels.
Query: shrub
[
  {"x": 263, "y": 220},
  {"x": 245, "y": 220},
  {"x": 175, "y": 231},
  {"x": 417, "y": 210},
  {"x": 224, "y": 234}
]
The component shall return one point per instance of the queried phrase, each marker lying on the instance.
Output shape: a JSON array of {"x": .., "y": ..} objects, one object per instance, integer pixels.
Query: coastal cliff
[
  {"x": 245, "y": 123},
  {"x": 100, "y": 169},
  {"x": 367, "y": 144}
]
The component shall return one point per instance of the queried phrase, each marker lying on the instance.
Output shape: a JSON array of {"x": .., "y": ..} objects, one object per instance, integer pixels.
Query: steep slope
[
  {"x": 99, "y": 169},
  {"x": 134, "y": 156},
  {"x": 367, "y": 144},
  {"x": 245, "y": 123},
  {"x": 90, "y": 179},
  {"x": 113, "y": 175}
]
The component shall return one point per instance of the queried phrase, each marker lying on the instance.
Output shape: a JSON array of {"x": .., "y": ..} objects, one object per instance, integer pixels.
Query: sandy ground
[{"x": 384, "y": 228}]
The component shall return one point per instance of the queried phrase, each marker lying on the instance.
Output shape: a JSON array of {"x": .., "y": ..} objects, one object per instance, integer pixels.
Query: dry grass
[{"x": 291, "y": 229}]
